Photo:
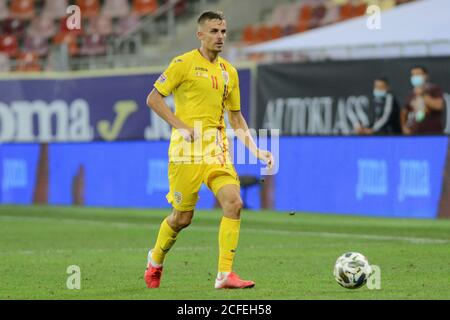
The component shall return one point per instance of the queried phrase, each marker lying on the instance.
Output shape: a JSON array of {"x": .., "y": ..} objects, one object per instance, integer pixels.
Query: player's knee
[
  {"x": 234, "y": 206},
  {"x": 181, "y": 220}
]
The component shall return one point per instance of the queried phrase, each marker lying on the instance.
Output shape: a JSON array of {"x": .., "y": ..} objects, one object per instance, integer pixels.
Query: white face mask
[
  {"x": 417, "y": 81},
  {"x": 379, "y": 93}
]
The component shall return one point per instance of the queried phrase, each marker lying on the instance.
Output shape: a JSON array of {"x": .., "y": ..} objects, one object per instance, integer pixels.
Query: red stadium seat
[
  {"x": 13, "y": 26},
  {"x": 4, "y": 10},
  {"x": 305, "y": 12},
  {"x": 360, "y": 10},
  {"x": 28, "y": 62},
  {"x": 55, "y": 9},
  {"x": 346, "y": 12},
  {"x": 89, "y": 8},
  {"x": 305, "y": 17},
  {"x": 262, "y": 34},
  {"x": 276, "y": 32},
  {"x": 9, "y": 45},
  {"x": 144, "y": 7},
  {"x": 22, "y": 9},
  {"x": 116, "y": 8},
  {"x": 248, "y": 34}
]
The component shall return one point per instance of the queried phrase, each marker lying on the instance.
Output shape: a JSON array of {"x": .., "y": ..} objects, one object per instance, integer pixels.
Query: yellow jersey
[{"x": 202, "y": 91}]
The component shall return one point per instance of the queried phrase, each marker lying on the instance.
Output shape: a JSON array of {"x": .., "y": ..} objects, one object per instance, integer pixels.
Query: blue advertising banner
[
  {"x": 377, "y": 176},
  {"x": 120, "y": 174},
  {"x": 84, "y": 109},
  {"x": 391, "y": 177}
]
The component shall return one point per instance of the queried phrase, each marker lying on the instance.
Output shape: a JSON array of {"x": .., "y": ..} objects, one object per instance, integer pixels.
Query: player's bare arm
[
  {"x": 156, "y": 102},
  {"x": 241, "y": 130}
]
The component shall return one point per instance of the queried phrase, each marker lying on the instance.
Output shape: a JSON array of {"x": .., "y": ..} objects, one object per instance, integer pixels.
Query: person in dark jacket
[{"x": 384, "y": 112}]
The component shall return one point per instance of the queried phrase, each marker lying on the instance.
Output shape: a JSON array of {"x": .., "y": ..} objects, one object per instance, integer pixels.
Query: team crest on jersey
[
  {"x": 178, "y": 197},
  {"x": 162, "y": 78},
  {"x": 226, "y": 77}
]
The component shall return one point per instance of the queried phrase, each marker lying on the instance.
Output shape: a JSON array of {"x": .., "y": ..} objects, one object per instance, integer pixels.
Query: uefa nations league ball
[{"x": 352, "y": 270}]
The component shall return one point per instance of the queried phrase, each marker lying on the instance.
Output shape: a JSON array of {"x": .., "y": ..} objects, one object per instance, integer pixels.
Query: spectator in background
[
  {"x": 423, "y": 112},
  {"x": 384, "y": 111}
]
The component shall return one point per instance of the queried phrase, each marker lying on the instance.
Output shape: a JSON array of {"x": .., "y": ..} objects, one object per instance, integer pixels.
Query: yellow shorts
[{"x": 185, "y": 181}]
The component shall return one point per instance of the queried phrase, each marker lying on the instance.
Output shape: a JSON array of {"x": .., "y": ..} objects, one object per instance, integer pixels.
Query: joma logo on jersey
[{"x": 201, "y": 75}]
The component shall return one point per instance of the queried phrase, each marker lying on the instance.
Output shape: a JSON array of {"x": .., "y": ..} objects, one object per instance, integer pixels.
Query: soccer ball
[{"x": 352, "y": 270}]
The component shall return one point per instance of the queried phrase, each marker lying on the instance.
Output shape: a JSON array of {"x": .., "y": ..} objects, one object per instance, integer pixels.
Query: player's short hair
[
  {"x": 382, "y": 79},
  {"x": 423, "y": 68},
  {"x": 210, "y": 15}
]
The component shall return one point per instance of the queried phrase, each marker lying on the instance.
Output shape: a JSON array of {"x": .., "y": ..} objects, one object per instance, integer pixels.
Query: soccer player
[{"x": 204, "y": 86}]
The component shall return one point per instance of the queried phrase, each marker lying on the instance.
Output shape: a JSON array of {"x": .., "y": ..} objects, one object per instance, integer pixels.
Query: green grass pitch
[{"x": 289, "y": 257}]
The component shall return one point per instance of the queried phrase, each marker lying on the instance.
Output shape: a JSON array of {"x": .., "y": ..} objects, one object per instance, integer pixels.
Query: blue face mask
[
  {"x": 417, "y": 81},
  {"x": 379, "y": 93}
]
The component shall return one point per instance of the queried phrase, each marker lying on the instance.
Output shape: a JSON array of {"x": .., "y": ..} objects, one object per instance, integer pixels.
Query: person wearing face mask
[
  {"x": 383, "y": 115},
  {"x": 423, "y": 112}
]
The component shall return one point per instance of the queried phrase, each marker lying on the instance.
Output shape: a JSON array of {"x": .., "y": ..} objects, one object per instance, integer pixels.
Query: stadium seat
[
  {"x": 248, "y": 34},
  {"x": 89, "y": 8},
  {"x": 305, "y": 12},
  {"x": 42, "y": 26},
  {"x": 127, "y": 24},
  {"x": 4, "y": 63},
  {"x": 9, "y": 45},
  {"x": 36, "y": 44},
  {"x": 116, "y": 8},
  {"x": 144, "y": 7},
  {"x": 359, "y": 10},
  {"x": 93, "y": 45},
  {"x": 28, "y": 62},
  {"x": 13, "y": 26},
  {"x": 263, "y": 33},
  {"x": 22, "y": 9},
  {"x": 305, "y": 17},
  {"x": 70, "y": 39},
  {"x": 55, "y": 9},
  {"x": 317, "y": 15},
  {"x": 101, "y": 25},
  {"x": 4, "y": 11},
  {"x": 276, "y": 32},
  {"x": 346, "y": 12}
]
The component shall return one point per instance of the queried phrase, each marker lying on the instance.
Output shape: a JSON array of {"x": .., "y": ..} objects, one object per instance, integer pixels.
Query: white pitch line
[{"x": 413, "y": 240}]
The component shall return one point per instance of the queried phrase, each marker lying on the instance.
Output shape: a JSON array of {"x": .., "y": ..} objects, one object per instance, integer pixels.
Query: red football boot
[
  {"x": 232, "y": 281},
  {"x": 152, "y": 275}
]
